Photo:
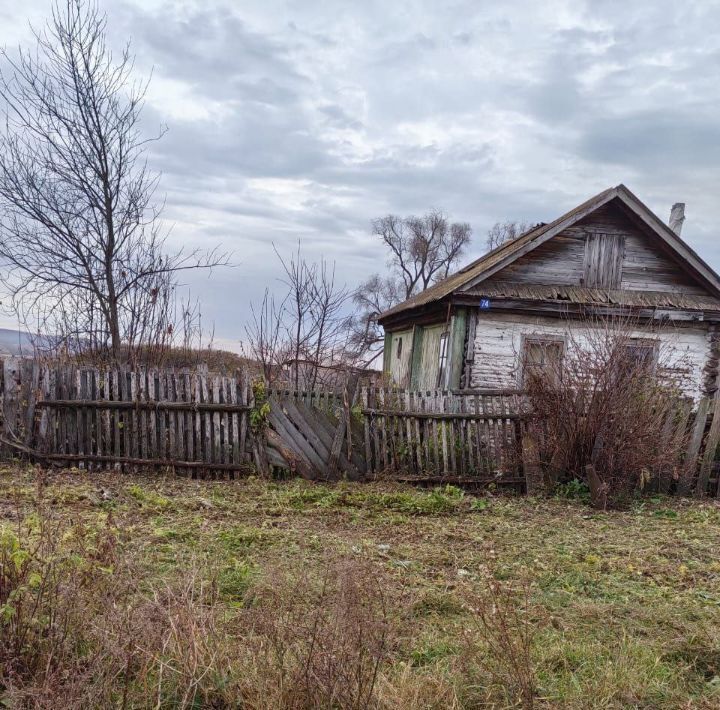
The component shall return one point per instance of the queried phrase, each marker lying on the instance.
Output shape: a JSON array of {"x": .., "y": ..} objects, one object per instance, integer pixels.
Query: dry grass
[{"x": 132, "y": 591}]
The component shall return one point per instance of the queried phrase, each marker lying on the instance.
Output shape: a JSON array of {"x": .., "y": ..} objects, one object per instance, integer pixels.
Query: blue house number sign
[{"x": 484, "y": 303}]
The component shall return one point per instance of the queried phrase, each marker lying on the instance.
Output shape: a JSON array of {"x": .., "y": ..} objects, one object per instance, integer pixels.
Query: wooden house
[{"x": 479, "y": 328}]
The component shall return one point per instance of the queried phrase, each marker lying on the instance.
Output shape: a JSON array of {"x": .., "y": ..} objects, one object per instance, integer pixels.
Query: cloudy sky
[{"x": 302, "y": 120}]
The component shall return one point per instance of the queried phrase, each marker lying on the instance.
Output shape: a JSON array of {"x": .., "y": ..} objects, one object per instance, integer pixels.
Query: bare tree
[
  {"x": 502, "y": 232},
  {"x": 265, "y": 336},
  {"x": 327, "y": 332},
  {"x": 79, "y": 229},
  {"x": 423, "y": 250},
  {"x": 304, "y": 335}
]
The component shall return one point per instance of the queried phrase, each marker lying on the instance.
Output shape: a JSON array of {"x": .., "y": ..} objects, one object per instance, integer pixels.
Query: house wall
[
  {"x": 400, "y": 366},
  {"x": 645, "y": 267},
  {"x": 427, "y": 379},
  {"x": 498, "y": 345}
]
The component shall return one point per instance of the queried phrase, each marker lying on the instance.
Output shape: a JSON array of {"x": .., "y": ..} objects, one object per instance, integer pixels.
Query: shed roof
[{"x": 506, "y": 253}]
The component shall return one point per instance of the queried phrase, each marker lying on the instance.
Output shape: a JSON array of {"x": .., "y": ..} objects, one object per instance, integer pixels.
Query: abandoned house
[{"x": 484, "y": 326}]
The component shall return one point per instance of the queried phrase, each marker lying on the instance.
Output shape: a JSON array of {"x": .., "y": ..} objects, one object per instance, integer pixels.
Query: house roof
[{"x": 507, "y": 253}]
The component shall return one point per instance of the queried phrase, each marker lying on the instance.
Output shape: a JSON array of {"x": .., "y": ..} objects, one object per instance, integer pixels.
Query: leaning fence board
[
  {"x": 693, "y": 451},
  {"x": 711, "y": 444}
]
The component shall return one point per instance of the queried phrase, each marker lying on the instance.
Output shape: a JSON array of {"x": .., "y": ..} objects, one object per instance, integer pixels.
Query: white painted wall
[{"x": 498, "y": 344}]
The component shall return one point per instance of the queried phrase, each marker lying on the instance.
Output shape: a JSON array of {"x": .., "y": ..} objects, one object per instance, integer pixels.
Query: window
[
  {"x": 604, "y": 255},
  {"x": 398, "y": 352},
  {"x": 442, "y": 358},
  {"x": 541, "y": 357},
  {"x": 640, "y": 354}
]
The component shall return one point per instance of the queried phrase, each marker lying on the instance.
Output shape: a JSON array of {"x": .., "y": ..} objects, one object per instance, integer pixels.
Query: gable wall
[
  {"x": 499, "y": 336},
  {"x": 560, "y": 259}
]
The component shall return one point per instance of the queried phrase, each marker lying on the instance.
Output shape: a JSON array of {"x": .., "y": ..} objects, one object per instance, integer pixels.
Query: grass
[{"x": 622, "y": 608}]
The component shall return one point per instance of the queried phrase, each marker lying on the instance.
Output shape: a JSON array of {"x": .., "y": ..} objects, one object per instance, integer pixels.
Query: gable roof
[{"x": 507, "y": 253}]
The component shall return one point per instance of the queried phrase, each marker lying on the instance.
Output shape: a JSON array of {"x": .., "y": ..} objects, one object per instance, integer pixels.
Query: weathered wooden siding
[
  {"x": 561, "y": 259},
  {"x": 400, "y": 366},
  {"x": 498, "y": 344},
  {"x": 428, "y": 377}
]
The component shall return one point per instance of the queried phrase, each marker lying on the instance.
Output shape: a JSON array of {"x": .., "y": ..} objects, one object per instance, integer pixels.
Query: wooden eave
[{"x": 565, "y": 309}]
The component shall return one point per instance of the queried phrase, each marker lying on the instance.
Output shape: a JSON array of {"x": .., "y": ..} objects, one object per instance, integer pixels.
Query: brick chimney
[{"x": 677, "y": 217}]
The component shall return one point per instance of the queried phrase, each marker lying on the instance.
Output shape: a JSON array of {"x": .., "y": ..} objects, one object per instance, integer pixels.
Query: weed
[
  {"x": 148, "y": 499},
  {"x": 431, "y": 653},
  {"x": 573, "y": 490}
]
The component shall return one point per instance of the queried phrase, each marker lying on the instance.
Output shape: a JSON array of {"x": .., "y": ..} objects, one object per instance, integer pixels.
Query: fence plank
[
  {"x": 691, "y": 457},
  {"x": 711, "y": 444}
]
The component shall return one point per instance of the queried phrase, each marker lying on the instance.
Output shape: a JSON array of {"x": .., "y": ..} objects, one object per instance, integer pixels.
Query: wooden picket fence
[
  {"x": 490, "y": 436},
  {"x": 197, "y": 423},
  {"x": 443, "y": 435},
  {"x": 188, "y": 420},
  {"x": 315, "y": 434}
]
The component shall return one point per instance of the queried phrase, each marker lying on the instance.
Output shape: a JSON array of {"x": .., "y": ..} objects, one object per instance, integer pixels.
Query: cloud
[{"x": 292, "y": 120}]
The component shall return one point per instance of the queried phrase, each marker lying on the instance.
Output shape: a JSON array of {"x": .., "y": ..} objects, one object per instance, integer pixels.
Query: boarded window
[
  {"x": 604, "y": 254},
  {"x": 542, "y": 358}
]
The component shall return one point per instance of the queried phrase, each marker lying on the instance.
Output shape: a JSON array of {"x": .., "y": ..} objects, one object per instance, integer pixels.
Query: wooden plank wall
[{"x": 189, "y": 420}]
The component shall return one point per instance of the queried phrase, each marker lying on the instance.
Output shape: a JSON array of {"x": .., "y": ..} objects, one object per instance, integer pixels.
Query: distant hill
[{"x": 15, "y": 342}]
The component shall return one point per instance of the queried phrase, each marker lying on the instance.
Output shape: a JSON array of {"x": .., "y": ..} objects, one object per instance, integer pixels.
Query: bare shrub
[
  {"x": 321, "y": 645},
  {"x": 498, "y": 643},
  {"x": 83, "y": 626},
  {"x": 53, "y": 579},
  {"x": 606, "y": 407}
]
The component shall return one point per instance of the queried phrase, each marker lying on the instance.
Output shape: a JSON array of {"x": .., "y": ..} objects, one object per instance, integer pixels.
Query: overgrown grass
[{"x": 139, "y": 591}]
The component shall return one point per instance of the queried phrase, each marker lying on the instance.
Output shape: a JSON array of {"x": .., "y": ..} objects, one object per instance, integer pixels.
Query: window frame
[
  {"x": 651, "y": 344},
  {"x": 533, "y": 338},
  {"x": 442, "y": 357}
]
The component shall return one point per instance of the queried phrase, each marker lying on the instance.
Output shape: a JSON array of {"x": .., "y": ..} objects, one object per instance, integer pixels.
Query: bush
[{"x": 604, "y": 411}]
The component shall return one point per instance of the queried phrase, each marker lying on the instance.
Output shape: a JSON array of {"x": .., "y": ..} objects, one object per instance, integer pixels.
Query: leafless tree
[
  {"x": 502, "y": 232},
  {"x": 265, "y": 336},
  {"x": 327, "y": 331},
  {"x": 80, "y": 236},
  {"x": 303, "y": 334},
  {"x": 423, "y": 250}
]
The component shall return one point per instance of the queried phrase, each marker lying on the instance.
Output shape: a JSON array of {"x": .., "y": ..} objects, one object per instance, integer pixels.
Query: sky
[{"x": 302, "y": 120}]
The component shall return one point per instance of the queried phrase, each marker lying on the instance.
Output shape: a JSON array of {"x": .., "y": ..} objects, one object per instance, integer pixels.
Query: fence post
[
  {"x": 691, "y": 457},
  {"x": 531, "y": 464},
  {"x": 11, "y": 372},
  {"x": 711, "y": 444}
]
